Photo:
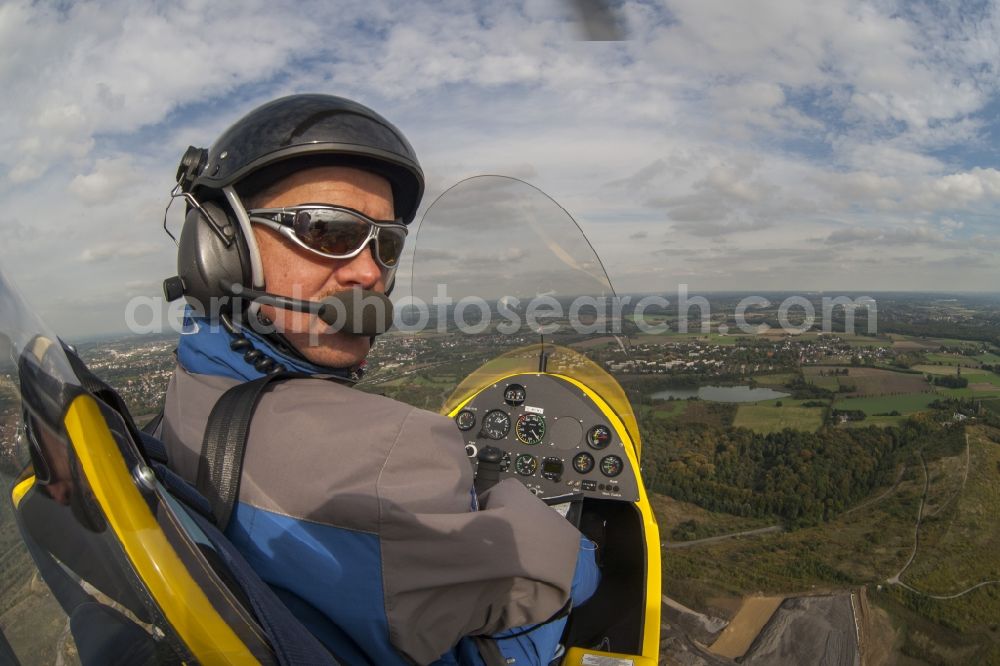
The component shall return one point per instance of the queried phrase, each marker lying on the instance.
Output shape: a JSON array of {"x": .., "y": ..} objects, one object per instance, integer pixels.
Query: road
[
  {"x": 916, "y": 530},
  {"x": 949, "y": 596},
  {"x": 722, "y": 537}
]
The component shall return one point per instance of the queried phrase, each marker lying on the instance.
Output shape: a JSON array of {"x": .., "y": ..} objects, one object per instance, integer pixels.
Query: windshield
[{"x": 503, "y": 281}]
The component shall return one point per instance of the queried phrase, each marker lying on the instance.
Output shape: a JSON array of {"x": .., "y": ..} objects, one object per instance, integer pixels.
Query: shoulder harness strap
[{"x": 224, "y": 444}]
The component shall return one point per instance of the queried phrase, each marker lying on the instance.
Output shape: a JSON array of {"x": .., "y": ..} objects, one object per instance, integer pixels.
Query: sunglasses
[{"x": 334, "y": 232}]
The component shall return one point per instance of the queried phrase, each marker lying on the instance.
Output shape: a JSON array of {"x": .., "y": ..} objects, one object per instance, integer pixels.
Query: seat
[{"x": 128, "y": 550}]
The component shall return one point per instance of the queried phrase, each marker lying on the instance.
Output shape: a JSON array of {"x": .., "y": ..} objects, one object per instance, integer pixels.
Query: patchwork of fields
[{"x": 886, "y": 396}]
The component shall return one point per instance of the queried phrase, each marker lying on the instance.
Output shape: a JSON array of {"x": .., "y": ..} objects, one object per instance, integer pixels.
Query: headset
[{"x": 219, "y": 267}]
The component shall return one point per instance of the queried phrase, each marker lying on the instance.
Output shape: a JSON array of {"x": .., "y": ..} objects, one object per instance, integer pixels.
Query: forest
[{"x": 800, "y": 478}]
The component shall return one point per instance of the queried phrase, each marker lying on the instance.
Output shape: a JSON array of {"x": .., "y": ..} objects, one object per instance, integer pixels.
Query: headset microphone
[{"x": 357, "y": 311}]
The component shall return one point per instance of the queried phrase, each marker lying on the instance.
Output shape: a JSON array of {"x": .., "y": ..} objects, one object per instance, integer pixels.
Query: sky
[{"x": 840, "y": 146}]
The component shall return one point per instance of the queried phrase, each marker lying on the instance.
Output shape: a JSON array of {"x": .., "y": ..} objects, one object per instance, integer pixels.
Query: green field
[
  {"x": 954, "y": 359},
  {"x": 864, "y": 381},
  {"x": 879, "y": 421},
  {"x": 928, "y": 369},
  {"x": 982, "y": 377},
  {"x": 904, "y": 404},
  {"x": 665, "y": 410},
  {"x": 970, "y": 392},
  {"x": 767, "y": 417},
  {"x": 988, "y": 358}
]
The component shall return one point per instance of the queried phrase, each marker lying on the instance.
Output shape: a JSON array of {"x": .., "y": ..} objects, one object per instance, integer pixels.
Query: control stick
[{"x": 488, "y": 472}]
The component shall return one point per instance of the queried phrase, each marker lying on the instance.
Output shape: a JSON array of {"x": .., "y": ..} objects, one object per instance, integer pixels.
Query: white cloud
[
  {"x": 768, "y": 123},
  {"x": 108, "y": 251},
  {"x": 106, "y": 181}
]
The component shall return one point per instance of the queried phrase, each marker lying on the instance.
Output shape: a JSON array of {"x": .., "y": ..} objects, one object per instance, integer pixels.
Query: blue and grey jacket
[{"x": 359, "y": 511}]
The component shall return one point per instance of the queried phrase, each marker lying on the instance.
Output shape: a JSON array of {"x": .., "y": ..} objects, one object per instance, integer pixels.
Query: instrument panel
[{"x": 554, "y": 438}]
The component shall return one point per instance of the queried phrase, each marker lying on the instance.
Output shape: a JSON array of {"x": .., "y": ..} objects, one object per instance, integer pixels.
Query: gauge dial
[
  {"x": 466, "y": 420},
  {"x": 583, "y": 462},
  {"x": 525, "y": 464},
  {"x": 530, "y": 428},
  {"x": 599, "y": 437},
  {"x": 611, "y": 466},
  {"x": 514, "y": 395},
  {"x": 496, "y": 424}
]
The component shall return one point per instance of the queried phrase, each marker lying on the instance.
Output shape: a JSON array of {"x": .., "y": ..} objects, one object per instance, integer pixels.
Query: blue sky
[{"x": 839, "y": 146}]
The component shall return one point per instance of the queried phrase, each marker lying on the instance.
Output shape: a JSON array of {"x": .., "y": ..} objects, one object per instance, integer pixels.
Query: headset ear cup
[{"x": 205, "y": 261}]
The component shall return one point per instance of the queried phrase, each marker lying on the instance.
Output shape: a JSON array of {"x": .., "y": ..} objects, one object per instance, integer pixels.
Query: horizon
[{"x": 167, "y": 331}]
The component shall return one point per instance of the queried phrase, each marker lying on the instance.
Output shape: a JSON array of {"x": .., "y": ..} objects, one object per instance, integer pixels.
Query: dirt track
[{"x": 722, "y": 537}]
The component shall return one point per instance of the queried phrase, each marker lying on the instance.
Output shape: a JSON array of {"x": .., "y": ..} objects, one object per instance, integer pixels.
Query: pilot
[{"x": 358, "y": 510}]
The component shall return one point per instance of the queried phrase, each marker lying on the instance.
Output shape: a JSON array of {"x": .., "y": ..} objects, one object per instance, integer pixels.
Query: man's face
[{"x": 290, "y": 270}]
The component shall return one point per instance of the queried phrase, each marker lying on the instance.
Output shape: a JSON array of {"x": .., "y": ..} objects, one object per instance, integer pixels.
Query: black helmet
[{"x": 299, "y": 131}]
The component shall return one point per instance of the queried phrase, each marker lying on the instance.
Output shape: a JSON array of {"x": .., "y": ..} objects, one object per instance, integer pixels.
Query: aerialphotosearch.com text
[{"x": 511, "y": 315}]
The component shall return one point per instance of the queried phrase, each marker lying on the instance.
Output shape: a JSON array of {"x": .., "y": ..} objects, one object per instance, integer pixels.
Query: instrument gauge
[
  {"x": 583, "y": 462},
  {"x": 611, "y": 466},
  {"x": 525, "y": 464},
  {"x": 496, "y": 424},
  {"x": 530, "y": 428},
  {"x": 599, "y": 437},
  {"x": 466, "y": 420},
  {"x": 514, "y": 395}
]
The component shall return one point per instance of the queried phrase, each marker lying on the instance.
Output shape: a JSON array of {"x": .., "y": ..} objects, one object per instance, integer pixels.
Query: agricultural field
[
  {"x": 904, "y": 404},
  {"x": 665, "y": 410},
  {"x": 936, "y": 370},
  {"x": 766, "y": 417},
  {"x": 988, "y": 358},
  {"x": 973, "y": 390},
  {"x": 882, "y": 421},
  {"x": 903, "y": 343},
  {"x": 954, "y": 360},
  {"x": 866, "y": 381}
]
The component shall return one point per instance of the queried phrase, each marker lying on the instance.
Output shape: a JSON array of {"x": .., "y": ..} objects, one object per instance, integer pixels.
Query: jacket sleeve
[{"x": 449, "y": 570}]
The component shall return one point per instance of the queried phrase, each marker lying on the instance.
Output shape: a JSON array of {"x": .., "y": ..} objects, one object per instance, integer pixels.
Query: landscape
[{"x": 823, "y": 496}]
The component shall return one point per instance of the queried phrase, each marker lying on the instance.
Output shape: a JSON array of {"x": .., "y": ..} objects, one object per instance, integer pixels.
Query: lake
[{"x": 722, "y": 394}]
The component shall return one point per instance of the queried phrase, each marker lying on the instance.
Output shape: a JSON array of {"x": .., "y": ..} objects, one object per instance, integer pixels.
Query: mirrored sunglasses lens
[
  {"x": 390, "y": 245},
  {"x": 330, "y": 232}
]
